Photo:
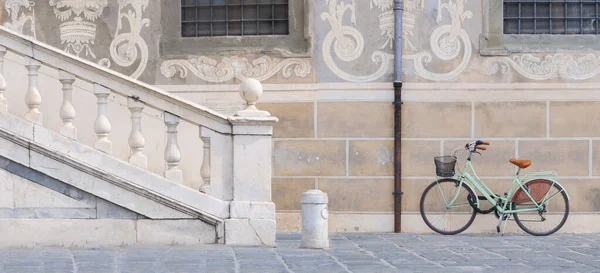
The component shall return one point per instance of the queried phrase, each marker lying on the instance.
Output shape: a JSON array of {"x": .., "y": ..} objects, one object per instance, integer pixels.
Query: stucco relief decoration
[
  {"x": 447, "y": 42},
  {"x": 386, "y": 21},
  {"x": 348, "y": 43},
  {"x": 21, "y": 13},
  {"x": 557, "y": 65},
  {"x": 229, "y": 68},
  {"x": 127, "y": 46},
  {"x": 78, "y": 32}
]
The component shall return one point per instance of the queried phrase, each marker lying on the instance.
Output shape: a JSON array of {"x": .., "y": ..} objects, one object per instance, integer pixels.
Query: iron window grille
[
  {"x": 201, "y": 18},
  {"x": 551, "y": 16}
]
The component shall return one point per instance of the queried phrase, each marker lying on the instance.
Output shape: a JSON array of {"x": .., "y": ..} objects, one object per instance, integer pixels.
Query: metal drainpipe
[{"x": 398, "y": 9}]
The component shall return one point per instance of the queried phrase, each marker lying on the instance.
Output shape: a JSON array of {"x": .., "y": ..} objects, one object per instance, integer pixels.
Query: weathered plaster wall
[
  {"x": 347, "y": 41},
  {"x": 117, "y": 34},
  {"x": 334, "y": 104}
]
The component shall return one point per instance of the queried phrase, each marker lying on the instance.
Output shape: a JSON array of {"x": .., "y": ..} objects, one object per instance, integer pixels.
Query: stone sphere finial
[{"x": 250, "y": 91}]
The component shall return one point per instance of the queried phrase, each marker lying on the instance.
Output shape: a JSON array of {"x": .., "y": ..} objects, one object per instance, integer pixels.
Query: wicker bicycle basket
[{"x": 445, "y": 165}]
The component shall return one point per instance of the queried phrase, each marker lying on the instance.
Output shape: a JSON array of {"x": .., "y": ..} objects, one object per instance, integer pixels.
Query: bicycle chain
[{"x": 478, "y": 210}]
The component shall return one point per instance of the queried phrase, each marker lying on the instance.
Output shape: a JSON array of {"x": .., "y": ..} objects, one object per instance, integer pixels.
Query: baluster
[
  {"x": 136, "y": 138},
  {"x": 172, "y": 153},
  {"x": 67, "y": 111},
  {"x": 33, "y": 99},
  {"x": 102, "y": 125},
  {"x": 205, "y": 169},
  {"x": 3, "y": 103}
]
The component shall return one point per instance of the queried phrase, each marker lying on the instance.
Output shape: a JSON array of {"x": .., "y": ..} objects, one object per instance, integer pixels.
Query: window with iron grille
[
  {"x": 201, "y": 18},
  {"x": 551, "y": 16}
]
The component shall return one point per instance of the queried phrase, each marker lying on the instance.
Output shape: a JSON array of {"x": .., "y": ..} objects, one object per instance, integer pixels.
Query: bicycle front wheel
[
  {"x": 553, "y": 214},
  {"x": 439, "y": 211}
]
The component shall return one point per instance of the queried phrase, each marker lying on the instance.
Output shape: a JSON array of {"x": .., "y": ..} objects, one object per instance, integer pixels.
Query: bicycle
[{"x": 528, "y": 200}]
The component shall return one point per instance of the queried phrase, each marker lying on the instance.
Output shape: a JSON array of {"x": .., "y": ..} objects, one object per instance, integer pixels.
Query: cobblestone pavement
[{"x": 349, "y": 253}]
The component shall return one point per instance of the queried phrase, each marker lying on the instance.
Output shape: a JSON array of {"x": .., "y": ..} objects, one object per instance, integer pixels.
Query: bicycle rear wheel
[
  {"x": 436, "y": 213},
  {"x": 554, "y": 213}
]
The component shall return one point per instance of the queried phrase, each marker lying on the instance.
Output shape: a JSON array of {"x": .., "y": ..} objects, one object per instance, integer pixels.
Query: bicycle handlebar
[
  {"x": 479, "y": 142},
  {"x": 473, "y": 146}
]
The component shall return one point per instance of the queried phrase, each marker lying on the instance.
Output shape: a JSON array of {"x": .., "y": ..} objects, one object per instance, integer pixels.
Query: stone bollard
[{"x": 314, "y": 220}]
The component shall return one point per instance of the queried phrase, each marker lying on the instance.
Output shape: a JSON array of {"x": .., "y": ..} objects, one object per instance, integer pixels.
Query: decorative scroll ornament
[
  {"x": 348, "y": 43},
  {"x": 126, "y": 46},
  {"x": 18, "y": 19},
  {"x": 552, "y": 66},
  {"x": 447, "y": 42},
  {"x": 78, "y": 33},
  {"x": 229, "y": 68}
]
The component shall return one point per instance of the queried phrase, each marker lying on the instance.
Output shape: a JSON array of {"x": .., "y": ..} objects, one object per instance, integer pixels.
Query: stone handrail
[{"x": 116, "y": 82}]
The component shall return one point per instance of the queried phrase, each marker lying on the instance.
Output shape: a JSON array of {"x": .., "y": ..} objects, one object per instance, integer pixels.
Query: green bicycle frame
[{"x": 475, "y": 184}]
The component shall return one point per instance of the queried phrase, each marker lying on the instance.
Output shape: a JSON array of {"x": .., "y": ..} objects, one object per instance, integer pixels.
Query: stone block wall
[
  {"x": 331, "y": 149},
  {"x": 346, "y": 150}
]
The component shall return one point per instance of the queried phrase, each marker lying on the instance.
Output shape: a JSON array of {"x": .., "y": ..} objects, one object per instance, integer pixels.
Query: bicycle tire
[
  {"x": 520, "y": 223},
  {"x": 426, "y": 219}
]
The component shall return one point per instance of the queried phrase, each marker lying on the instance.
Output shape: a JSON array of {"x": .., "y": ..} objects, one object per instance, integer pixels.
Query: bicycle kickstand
[
  {"x": 505, "y": 221},
  {"x": 499, "y": 223}
]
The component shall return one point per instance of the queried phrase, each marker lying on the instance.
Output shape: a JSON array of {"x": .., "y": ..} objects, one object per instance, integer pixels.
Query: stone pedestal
[
  {"x": 251, "y": 224},
  {"x": 252, "y": 213},
  {"x": 315, "y": 218}
]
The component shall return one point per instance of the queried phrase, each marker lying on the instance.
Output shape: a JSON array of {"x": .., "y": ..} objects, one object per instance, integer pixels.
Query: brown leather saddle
[{"x": 520, "y": 163}]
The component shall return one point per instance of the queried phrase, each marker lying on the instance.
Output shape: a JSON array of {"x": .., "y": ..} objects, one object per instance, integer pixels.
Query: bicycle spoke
[
  {"x": 443, "y": 217},
  {"x": 439, "y": 219}
]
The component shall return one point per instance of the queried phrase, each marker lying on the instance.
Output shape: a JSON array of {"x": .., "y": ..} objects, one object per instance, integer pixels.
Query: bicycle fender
[{"x": 553, "y": 181}]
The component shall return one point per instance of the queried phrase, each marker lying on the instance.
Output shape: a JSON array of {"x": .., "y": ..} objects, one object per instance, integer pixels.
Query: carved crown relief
[{"x": 78, "y": 31}]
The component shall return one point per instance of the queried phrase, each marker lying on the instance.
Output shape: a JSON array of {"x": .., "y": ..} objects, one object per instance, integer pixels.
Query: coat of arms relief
[{"x": 78, "y": 30}]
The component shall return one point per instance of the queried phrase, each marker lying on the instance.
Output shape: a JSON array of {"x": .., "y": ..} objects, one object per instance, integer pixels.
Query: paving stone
[
  {"x": 218, "y": 270},
  {"x": 288, "y": 236},
  {"x": 332, "y": 269},
  {"x": 370, "y": 253},
  {"x": 288, "y": 244},
  {"x": 463, "y": 268}
]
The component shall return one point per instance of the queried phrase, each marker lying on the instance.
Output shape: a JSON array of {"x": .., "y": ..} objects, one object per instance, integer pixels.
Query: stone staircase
[{"x": 90, "y": 157}]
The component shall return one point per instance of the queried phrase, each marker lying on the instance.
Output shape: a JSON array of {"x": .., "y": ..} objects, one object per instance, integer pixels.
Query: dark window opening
[
  {"x": 201, "y": 18},
  {"x": 551, "y": 16}
]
